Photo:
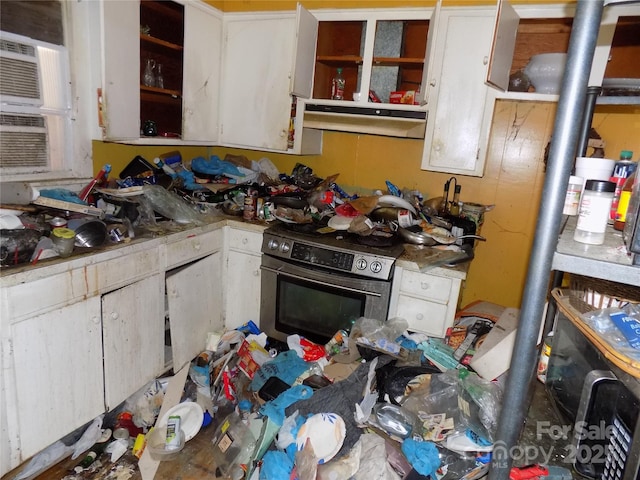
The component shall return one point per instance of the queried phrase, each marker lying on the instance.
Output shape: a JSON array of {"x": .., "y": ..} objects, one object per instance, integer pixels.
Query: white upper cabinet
[
  {"x": 459, "y": 107},
  {"x": 256, "y": 106},
  {"x": 202, "y": 57},
  {"x": 524, "y": 30},
  {"x": 121, "y": 70},
  {"x": 379, "y": 51},
  {"x": 181, "y": 43}
]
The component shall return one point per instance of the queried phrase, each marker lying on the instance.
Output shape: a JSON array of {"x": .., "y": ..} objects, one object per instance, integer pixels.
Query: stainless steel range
[{"x": 315, "y": 284}]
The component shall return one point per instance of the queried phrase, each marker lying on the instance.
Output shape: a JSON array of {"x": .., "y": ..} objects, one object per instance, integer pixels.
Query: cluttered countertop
[{"x": 150, "y": 200}]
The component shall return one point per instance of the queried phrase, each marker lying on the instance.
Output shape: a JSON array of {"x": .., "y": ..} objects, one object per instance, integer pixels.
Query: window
[
  {"x": 37, "y": 94},
  {"x": 35, "y": 111}
]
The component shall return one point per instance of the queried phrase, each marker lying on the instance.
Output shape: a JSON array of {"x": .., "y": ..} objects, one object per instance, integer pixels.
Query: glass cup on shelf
[
  {"x": 149, "y": 78},
  {"x": 159, "y": 77}
]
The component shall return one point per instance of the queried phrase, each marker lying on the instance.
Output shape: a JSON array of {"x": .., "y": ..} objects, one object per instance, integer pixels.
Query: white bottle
[{"x": 595, "y": 205}]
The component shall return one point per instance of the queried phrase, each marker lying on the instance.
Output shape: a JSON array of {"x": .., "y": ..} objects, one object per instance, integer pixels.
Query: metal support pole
[
  {"x": 570, "y": 112},
  {"x": 583, "y": 141}
]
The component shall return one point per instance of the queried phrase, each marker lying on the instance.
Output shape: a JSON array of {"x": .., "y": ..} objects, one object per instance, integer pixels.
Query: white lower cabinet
[
  {"x": 56, "y": 384},
  {"x": 194, "y": 296},
  {"x": 193, "y": 282},
  {"x": 133, "y": 335},
  {"x": 426, "y": 301},
  {"x": 242, "y": 278},
  {"x": 76, "y": 343}
]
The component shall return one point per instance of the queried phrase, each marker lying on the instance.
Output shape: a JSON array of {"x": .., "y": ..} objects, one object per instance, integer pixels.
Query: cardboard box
[
  {"x": 493, "y": 356},
  {"x": 403, "y": 96}
]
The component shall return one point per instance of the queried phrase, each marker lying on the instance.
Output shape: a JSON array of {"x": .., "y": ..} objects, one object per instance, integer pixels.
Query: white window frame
[{"x": 70, "y": 153}]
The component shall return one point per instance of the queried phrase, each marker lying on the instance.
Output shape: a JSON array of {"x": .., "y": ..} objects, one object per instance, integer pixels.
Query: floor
[{"x": 196, "y": 461}]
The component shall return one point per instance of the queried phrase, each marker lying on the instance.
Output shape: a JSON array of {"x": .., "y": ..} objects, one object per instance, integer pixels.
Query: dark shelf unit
[{"x": 162, "y": 41}]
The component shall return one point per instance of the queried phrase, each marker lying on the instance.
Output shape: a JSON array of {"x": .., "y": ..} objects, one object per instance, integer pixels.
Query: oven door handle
[{"x": 318, "y": 282}]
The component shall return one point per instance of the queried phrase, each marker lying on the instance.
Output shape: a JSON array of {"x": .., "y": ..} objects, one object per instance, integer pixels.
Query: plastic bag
[
  {"x": 487, "y": 397},
  {"x": 89, "y": 437},
  {"x": 306, "y": 349},
  {"x": 45, "y": 459},
  {"x": 170, "y": 205},
  {"x": 145, "y": 404},
  {"x": 600, "y": 321}
]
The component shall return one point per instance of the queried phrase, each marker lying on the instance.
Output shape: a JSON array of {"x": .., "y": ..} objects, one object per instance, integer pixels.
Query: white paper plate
[
  {"x": 191, "y": 416},
  {"x": 339, "y": 222},
  {"x": 326, "y": 432}
]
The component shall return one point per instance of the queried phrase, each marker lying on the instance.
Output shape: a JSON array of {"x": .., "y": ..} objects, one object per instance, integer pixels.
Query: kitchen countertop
[{"x": 168, "y": 232}]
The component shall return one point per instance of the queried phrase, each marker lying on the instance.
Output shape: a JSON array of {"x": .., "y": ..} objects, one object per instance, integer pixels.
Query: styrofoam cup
[{"x": 590, "y": 168}]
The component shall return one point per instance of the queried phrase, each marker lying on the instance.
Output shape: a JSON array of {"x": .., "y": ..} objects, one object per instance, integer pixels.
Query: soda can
[{"x": 173, "y": 432}]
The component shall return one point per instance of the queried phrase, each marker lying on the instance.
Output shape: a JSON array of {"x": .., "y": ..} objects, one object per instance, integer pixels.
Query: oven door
[{"x": 314, "y": 302}]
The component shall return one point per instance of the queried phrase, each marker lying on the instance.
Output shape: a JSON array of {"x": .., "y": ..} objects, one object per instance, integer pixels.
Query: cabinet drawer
[
  {"x": 423, "y": 316},
  {"x": 193, "y": 247},
  {"x": 245, "y": 241},
  {"x": 40, "y": 296},
  {"x": 426, "y": 286},
  {"x": 129, "y": 268}
]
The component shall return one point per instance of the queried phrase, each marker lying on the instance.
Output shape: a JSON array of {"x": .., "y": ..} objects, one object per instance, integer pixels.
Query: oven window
[{"x": 315, "y": 311}]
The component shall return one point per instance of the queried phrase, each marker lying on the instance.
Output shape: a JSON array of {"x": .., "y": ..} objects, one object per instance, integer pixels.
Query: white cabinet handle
[
  {"x": 283, "y": 133},
  {"x": 245, "y": 240},
  {"x": 114, "y": 315},
  {"x": 95, "y": 320},
  {"x": 424, "y": 285},
  {"x": 196, "y": 247},
  {"x": 419, "y": 316},
  {"x": 256, "y": 273},
  {"x": 485, "y": 60},
  {"x": 432, "y": 82}
]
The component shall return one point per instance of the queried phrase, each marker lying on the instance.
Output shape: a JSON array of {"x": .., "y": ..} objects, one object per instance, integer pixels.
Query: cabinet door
[
  {"x": 133, "y": 329},
  {"x": 202, "y": 54},
  {"x": 57, "y": 365},
  {"x": 194, "y": 296},
  {"x": 305, "y": 56},
  {"x": 121, "y": 70},
  {"x": 455, "y": 141},
  {"x": 522, "y": 31},
  {"x": 255, "y": 99}
]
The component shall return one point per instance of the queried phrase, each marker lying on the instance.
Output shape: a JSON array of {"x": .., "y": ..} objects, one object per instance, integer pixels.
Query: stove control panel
[{"x": 359, "y": 263}]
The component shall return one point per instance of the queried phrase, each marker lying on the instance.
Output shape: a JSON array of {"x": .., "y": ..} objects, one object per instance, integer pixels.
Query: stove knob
[
  {"x": 361, "y": 264},
  {"x": 376, "y": 266},
  {"x": 285, "y": 247},
  {"x": 273, "y": 244}
]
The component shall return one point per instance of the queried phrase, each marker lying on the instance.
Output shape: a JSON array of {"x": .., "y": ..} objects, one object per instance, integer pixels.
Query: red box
[{"x": 403, "y": 96}]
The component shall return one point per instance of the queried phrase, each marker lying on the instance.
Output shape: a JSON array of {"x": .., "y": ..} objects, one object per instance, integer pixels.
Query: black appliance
[{"x": 599, "y": 400}]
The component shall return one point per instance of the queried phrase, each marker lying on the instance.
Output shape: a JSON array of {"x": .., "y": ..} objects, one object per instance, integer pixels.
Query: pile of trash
[
  {"x": 152, "y": 197},
  {"x": 375, "y": 402}
]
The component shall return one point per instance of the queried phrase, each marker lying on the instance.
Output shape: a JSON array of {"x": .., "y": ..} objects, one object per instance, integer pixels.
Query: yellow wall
[{"x": 513, "y": 180}]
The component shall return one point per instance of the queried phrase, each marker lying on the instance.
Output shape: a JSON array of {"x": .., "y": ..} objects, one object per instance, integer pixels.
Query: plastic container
[
  {"x": 157, "y": 444},
  {"x": 233, "y": 445},
  {"x": 63, "y": 241},
  {"x": 572, "y": 199},
  {"x": 622, "y": 169},
  {"x": 594, "y": 212},
  {"x": 623, "y": 204}
]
